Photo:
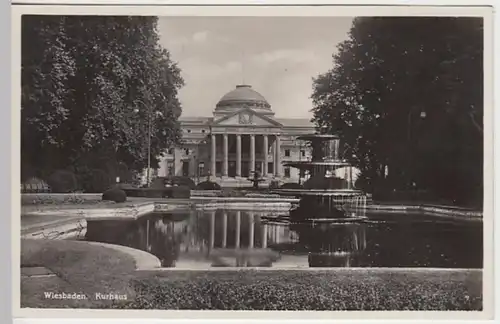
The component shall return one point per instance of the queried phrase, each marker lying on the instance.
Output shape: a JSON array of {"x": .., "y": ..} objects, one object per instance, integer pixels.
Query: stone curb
[
  {"x": 143, "y": 260},
  {"x": 444, "y": 210},
  {"x": 318, "y": 269}
]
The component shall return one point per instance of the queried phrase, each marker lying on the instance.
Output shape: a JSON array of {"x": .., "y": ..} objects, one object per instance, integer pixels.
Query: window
[
  {"x": 203, "y": 131},
  {"x": 170, "y": 168},
  {"x": 189, "y": 131},
  {"x": 287, "y": 172},
  {"x": 201, "y": 167},
  {"x": 187, "y": 151},
  {"x": 185, "y": 168},
  {"x": 302, "y": 153},
  {"x": 170, "y": 151},
  {"x": 270, "y": 167},
  {"x": 287, "y": 153}
]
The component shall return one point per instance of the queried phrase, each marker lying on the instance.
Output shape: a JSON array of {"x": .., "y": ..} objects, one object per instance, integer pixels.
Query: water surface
[{"x": 243, "y": 238}]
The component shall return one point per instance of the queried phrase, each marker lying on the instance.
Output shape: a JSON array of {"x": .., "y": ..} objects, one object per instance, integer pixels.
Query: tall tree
[
  {"x": 405, "y": 93},
  {"x": 93, "y": 86}
]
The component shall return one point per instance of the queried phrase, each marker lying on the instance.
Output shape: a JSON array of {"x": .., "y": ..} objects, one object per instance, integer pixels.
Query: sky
[{"x": 277, "y": 56}]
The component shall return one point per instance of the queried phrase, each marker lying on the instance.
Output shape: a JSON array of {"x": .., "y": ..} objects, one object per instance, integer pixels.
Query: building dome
[{"x": 243, "y": 96}]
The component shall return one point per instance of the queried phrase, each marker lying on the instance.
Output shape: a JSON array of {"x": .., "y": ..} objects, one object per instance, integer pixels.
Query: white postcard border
[{"x": 254, "y": 11}]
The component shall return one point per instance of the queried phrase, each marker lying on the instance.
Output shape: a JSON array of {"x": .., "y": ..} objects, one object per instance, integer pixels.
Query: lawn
[
  {"x": 310, "y": 290},
  {"x": 92, "y": 269},
  {"x": 83, "y": 268}
]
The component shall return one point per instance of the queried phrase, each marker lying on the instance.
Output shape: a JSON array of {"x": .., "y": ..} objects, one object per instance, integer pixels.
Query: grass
[
  {"x": 90, "y": 269},
  {"x": 82, "y": 267},
  {"x": 314, "y": 290}
]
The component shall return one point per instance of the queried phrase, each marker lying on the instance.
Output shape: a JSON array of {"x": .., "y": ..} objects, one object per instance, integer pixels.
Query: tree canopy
[
  {"x": 406, "y": 95},
  {"x": 91, "y": 85}
]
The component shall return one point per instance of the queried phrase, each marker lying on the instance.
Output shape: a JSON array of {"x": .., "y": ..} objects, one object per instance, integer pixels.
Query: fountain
[{"x": 325, "y": 197}]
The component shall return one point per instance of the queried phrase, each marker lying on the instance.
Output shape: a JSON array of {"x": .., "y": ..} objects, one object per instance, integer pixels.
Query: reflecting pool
[{"x": 200, "y": 239}]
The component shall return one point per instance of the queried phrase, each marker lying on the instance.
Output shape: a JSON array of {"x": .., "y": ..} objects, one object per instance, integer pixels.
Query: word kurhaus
[
  {"x": 100, "y": 296},
  {"x": 78, "y": 296}
]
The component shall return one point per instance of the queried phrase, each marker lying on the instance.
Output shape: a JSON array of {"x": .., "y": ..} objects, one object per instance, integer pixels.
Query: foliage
[
  {"x": 62, "y": 181},
  {"x": 93, "y": 180},
  {"x": 400, "y": 92},
  {"x": 90, "y": 86},
  {"x": 208, "y": 185},
  {"x": 326, "y": 290},
  {"x": 181, "y": 181},
  {"x": 158, "y": 183},
  {"x": 114, "y": 194}
]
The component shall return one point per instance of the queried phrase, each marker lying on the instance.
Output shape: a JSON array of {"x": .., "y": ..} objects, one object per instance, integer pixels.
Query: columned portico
[{"x": 242, "y": 137}]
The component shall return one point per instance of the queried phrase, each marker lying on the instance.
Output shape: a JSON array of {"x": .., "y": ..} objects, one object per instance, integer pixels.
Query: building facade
[{"x": 241, "y": 137}]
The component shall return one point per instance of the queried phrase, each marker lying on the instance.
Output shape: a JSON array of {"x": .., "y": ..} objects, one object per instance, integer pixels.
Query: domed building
[{"x": 241, "y": 137}]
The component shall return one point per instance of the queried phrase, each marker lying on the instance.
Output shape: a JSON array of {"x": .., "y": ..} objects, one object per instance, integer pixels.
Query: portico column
[
  {"x": 275, "y": 168},
  {"x": 212, "y": 155},
  {"x": 266, "y": 162},
  {"x": 225, "y": 167},
  {"x": 224, "y": 229},
  {"x": 251, "y": 230},
  {"x": 264, "y": 236},
  {"x": 212, "y": 229},
  {"x": 252, "y": 153},
  {"x": 238, "y": 155},
  {"x": 278, "y": 156},
  {"x": 238, "y": 228}
]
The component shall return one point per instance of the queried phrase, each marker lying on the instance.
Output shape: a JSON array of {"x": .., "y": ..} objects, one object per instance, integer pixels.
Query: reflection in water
[
  {"x": 239, "y": 238},
  {"x": 332, "y": 245}
]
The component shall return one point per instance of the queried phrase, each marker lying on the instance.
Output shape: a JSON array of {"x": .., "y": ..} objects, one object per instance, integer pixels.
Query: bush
[
  {"x": 208, "y": 185},
  {"x": 159, "y": 183},
  {"x": 115, "y": 194},
  {"x": 162, "y": 182},
  {"x": 291, "y": 185},
  {"x": 62, "y": 181},
  {"x": 181, "y": 192},
  {"x": 99, "y": 181}
]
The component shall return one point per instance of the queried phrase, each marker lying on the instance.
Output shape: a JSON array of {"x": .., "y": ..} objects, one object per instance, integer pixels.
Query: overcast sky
[{"x": 277, "y": 56}]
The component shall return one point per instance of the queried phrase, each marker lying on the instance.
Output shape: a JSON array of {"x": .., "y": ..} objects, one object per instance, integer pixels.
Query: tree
[
  {"x": 405, "y": 94},
  {"x": 90, "y": 86}
]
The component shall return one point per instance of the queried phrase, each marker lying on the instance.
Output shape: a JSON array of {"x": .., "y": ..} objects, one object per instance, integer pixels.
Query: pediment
[{"x": 246, "y": 117}]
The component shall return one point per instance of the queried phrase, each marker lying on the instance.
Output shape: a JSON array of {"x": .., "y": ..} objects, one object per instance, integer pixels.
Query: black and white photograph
[{"x": 251, "y": 161}]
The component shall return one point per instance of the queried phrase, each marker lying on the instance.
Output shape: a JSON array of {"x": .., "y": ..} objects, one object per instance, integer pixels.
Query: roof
[
  {"x": 195, "y": 120},
  {"x": 286, "y": 122},
  {"x": 243, "y": 94}
]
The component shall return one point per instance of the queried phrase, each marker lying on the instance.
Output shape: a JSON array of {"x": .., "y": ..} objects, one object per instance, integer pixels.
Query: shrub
[
  {"x": 159, "y": 183},
  {"x": 208, "y": 185},
  {"x": 115, "y": 194},
  {"x": 62, "y": 181},
  {"x": 181, "y": 192},
  {"x": 291, "y": 185},
  {"x": 99, "y": 181},
  {"x": 182, "y": 181}
]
